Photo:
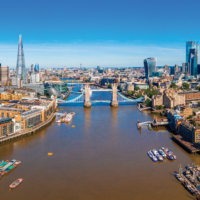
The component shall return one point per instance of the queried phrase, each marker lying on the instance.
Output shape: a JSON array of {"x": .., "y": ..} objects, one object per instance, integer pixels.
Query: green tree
[
  {"x": 199, "y": 103},
  {"x": 118, "y": 87},
  {"x": 173, "y": 85},
  {"x": 190, "y": 116},
  {"x": 139, "y": 95},
  {"x": 137, "y": 88},
  {"x": 198, "y": 88},
  {"x": 150, "y": 92},
  {"x": 109, "y": 85},
  {"x": 185, "y": 86},
  {"x": 148, "y": 102},
  {"x": 193, "y": 123}
]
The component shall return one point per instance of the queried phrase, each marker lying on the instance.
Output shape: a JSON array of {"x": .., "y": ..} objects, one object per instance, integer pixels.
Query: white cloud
[{"x": 91, "y": 55}]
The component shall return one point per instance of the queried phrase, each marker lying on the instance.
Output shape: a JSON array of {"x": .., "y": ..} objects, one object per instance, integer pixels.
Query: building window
[
  {"x": 2, "y": 114},
  {"x": 7, "y": 114}
]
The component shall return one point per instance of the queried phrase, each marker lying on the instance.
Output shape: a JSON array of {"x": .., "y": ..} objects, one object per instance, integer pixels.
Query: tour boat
[
  {"x": 1, "y": 161},
  {"x": 72, "y": 113},
  {"x": 170, "y": 157},
  {"x": 16, "y": 183},
  {"x": 68, "y": 117},
  {"x": 160, "y": 151},
  {"x": 152, "y": 156}
]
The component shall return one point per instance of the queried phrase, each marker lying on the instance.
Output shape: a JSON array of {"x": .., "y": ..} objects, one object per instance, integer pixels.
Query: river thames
[{"x": 104, "y": 157}]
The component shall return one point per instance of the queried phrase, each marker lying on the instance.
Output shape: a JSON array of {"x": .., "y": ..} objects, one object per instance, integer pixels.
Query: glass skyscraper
[
  {"x": 36, "y": 68},
  {"x": 150, "y": 67},
  {"x": 192, "y": 56},
  {"x": 20, "y": 68}
]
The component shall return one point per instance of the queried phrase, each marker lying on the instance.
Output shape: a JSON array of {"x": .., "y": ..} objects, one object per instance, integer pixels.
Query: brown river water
[{"x": 103, "y": 158}]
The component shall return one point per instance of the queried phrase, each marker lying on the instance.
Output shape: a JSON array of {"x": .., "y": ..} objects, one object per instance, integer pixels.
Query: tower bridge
[{"x": 113, "y": 102}]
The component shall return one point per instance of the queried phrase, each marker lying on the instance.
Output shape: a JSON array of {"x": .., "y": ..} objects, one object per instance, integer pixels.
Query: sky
[{"x": 106, "y": 33}]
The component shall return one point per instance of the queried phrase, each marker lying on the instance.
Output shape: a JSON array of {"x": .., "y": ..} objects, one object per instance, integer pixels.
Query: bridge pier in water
[
  {"x": 87, "y": 102},
  {"x": 114, "y": 102}
]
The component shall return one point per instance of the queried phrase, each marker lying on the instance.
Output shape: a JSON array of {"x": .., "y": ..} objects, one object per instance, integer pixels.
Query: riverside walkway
[{"x": 27, "y": 131}]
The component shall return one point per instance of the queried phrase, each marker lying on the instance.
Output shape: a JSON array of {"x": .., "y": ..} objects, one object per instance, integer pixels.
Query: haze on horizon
[{"x": 108, "y": 33}]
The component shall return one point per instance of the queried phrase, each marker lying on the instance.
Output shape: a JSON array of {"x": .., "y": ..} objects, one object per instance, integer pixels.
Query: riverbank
[{"x": 27, "y": 131}]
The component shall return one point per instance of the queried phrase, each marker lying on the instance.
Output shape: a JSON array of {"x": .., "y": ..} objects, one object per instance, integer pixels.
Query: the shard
[{"x": 21, "y": 69}]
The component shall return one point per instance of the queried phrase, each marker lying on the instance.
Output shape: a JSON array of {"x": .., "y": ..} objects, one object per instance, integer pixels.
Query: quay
[
  {"x": 146, "y": 108},
  {"x": 160, "y": 122},
  {"x": 28, "y": 131},
  {"x": 193, "y": 148}
]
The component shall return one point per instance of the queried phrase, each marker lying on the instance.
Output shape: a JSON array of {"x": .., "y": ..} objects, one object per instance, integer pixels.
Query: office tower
[
  {"x": 166, "y": 67},
  {"x": 98, "y": 67},
  {"x": 45, "y": 72},
  {"x": 192, "y": 56},
  {"x": 20, "y": 68},
  {"x": 64, "y": 68},
  {"x": 150, "y": 67},
  {"x": 176, "y": 68},
  {"x": 36, "y": 68},
  {"x": 198, "y": 69},
  {"x": 4, "y": 73},
  {"x": 32, "y": 69},
  {"x": 185, "y": 68},
  {"x": 172, "y": 70}
]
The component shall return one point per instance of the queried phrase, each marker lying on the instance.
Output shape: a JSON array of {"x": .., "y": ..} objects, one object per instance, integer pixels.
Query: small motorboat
[
  {"x": 58, "y": 121},
  {"x": 16, "y": 183},
  {"x": 72, "y": 113}
]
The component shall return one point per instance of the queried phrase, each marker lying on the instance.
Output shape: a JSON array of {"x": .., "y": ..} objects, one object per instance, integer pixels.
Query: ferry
[
  {"x": 158, "y": 156},
  {"x": 160, "y": 151},
  {"x": 68, "y": 117},
  {"x": 16, "y": 183},
  {"x": 12, "y": 162},
  {"x": 152, "y": 156}
]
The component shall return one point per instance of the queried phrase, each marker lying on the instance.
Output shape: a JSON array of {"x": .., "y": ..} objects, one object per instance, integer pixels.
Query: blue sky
[{"x": 109, "y": 33}]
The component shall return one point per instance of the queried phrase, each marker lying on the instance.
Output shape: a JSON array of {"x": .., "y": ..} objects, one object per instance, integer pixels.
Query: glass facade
[
  {"x": 36, "y": 68},
  {"x": 150, "y": 67},
  {"x": 192, "y": 57}
]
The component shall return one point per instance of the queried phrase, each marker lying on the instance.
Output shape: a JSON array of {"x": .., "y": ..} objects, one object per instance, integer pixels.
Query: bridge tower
[
  {"x": 87, "y": 102},
  {"x": 114, "y": 102}
]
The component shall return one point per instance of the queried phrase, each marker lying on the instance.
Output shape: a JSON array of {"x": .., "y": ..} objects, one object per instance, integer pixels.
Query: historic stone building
[{"x": 169, "y": 98}]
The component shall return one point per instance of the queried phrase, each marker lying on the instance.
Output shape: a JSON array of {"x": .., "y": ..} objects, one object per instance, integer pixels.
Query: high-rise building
[
  {"x": 64, "y": 68},
  {"x": 4, "y": 73},
  {"x": 32, "y": 69},
  {"x": 172, "y": 70},
  {"x": 36, "y": 68},
  {"x": 150, "y": 67},
  {"x": 192, "y": 56},
  {"x": 166, "y": 67},
  {"x": 20, "y": 68},
  {"x": 176, "y": 68},
  {"x": 185, "y": 68}
]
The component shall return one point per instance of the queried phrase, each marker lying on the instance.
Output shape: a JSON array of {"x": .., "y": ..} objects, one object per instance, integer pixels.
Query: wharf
[
  {"x": 193, "y": 148},
  {"x": 29, "y": 130},
  {"x": 160, "y": 122}
]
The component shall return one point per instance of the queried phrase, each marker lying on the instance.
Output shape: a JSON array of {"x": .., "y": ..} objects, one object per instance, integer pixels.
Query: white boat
[
  {"x": 58, "y": 121},
  {"x": 152, "y": 156},
  {"x": 68, "y": 117},
  {"x": 157, "y": 155},
  {"x": 160, "y": 151}
]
